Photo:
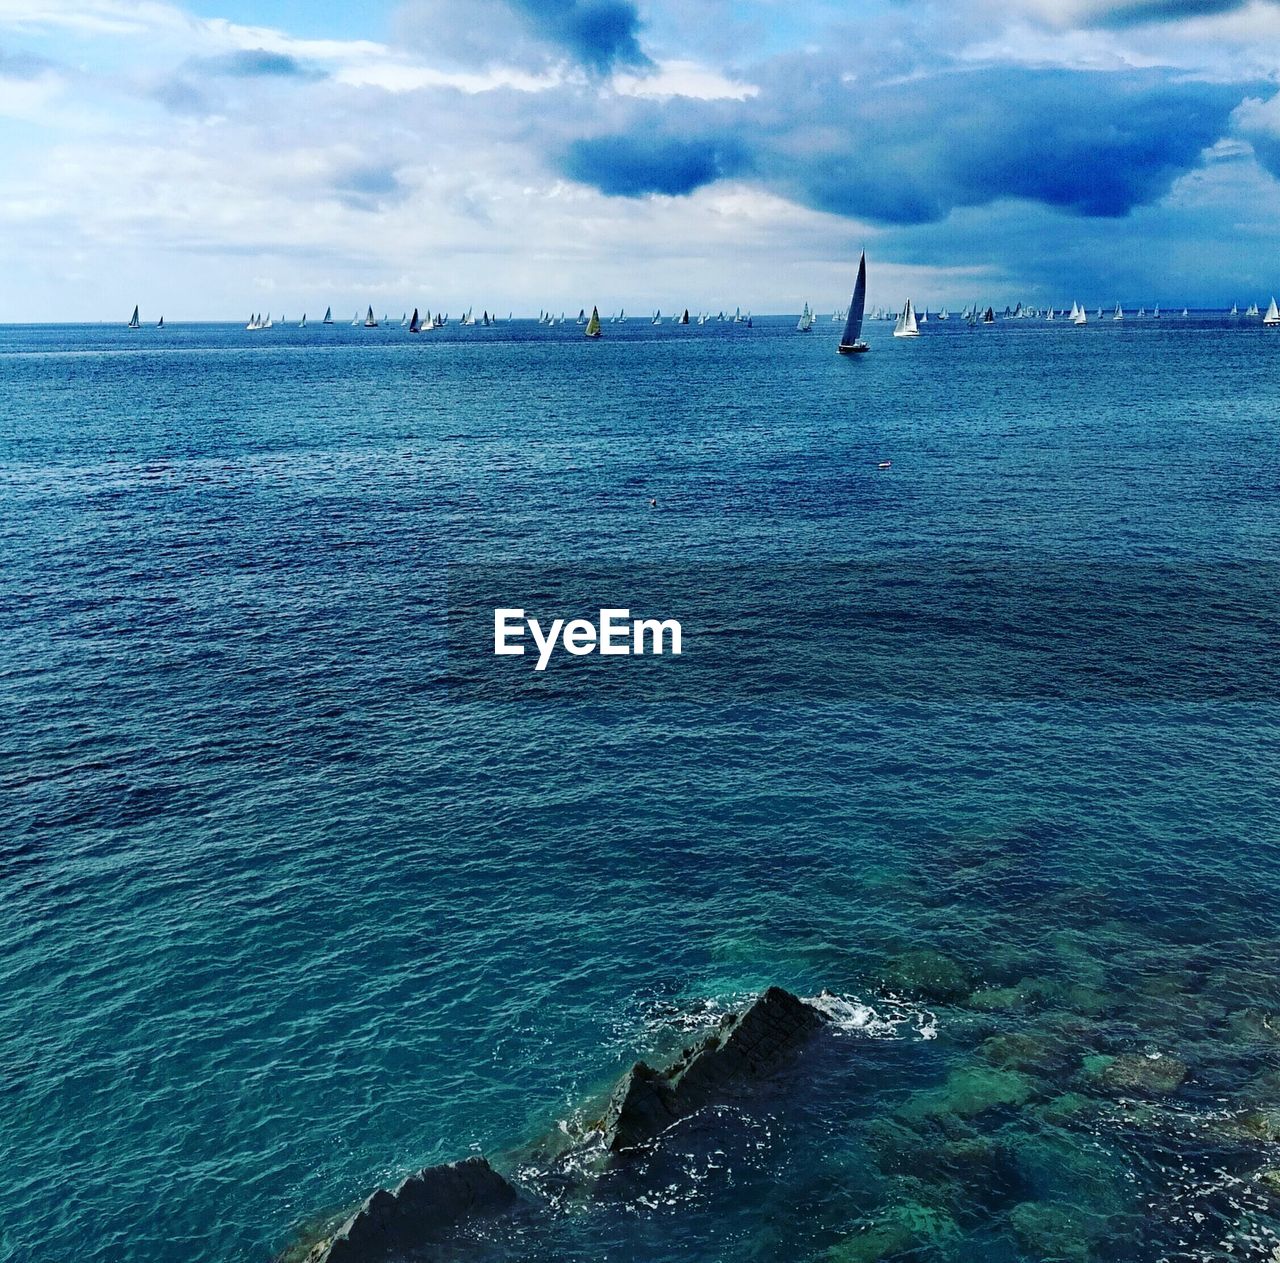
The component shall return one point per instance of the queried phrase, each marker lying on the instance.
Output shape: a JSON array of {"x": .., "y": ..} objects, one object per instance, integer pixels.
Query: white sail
[
  {"x": 1119, "y": 313},
  {"x": 907, "y": 326},
  {"x": 805, "y": 323},
  {"x": 328, "y": 316},
  {"x": 369, "y": 321},
  {"x": 1081, "y": 317},
  {"x": 1272, "y": 317},
  {"x": 134, "y": 322}
]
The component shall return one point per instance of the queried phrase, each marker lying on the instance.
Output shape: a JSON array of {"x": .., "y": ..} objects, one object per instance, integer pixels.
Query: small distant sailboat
[
  {"x": 582, "y": 316},
  {"x": 1235, "y": 311},
  {"x": 851, "y": 342},
  {"x": 1119, "y": 313},
  {"x": 328, "y": 316},
  {"x": 805, "y": 323},
  {"x": 268, "y": 323},
  {"x": 1155, "y": 315},
  {"x": 134, "y": 322},
  {"x": 684, "y": 318},
  {"x": 924, "y": 316},
  {"x": 1252, "y": 310},
  {"x": 1185, "y": 312},
  {"x": 1272, "y": 318},
  {"x": 160, "y": 323},
  {"x": 593, "y": 329},
  {"x": 1078, "y": 315},
  {"x": 1142, "y": 312},
  {"x": 989, "y": 316},
  {"x": 737, "y": 315},
  {"x": 944, "y": 314},
  {"x": 906, "y": 326},
  {"x": 355, "y": 320},
  {"x": 369, "y": 321},
  {"x": 1050, "y": 316},
  {"x": 657, "y": 317},
  {"x": 414, "y": 325},
  {"x": 302, "y": 324}
]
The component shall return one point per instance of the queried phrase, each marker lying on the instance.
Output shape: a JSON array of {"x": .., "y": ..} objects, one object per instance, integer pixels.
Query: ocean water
[{"x": 295, "y": 901}]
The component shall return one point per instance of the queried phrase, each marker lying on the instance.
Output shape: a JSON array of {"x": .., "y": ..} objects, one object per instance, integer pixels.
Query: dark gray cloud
[
  {"x": 1092, "y": 143},
  {"x": 597, "y": 36},
  {"x": 256, "y": 63},
  {"x": 1134, "y": 12}
]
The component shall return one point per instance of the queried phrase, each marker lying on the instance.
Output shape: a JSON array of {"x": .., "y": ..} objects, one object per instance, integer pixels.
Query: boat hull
[{"x": 858, "y": 348}]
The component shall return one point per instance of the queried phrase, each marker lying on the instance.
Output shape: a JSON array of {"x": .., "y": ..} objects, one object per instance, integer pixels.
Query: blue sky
[{"x": 213, "y": 158}]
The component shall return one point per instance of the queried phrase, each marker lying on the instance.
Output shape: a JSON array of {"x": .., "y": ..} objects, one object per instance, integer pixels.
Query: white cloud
[{"x": 684, "y": 78}]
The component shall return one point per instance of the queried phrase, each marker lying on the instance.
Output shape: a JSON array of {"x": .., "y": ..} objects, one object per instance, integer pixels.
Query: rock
[
  {"x": 970, "y": 1092},
  {"x": 929, "y": 975},
  {"x": 906, "y": 1226},
  {"x": 1258, "y": 1124},
  {"x": 1067, "y": 1108},
  {"x": 1039, "y": 1052},
  {"x": 1253, "y": 1026},
  {"x": 1270, "y": 1180},
  {"x": 422, "y": 1209},
  {"x": 1147, "y": 1073},
  {"x": 1051, "y": 1232},
  {"x": 1030, "y": 993},
  {"x": 748, "y": 1047}
]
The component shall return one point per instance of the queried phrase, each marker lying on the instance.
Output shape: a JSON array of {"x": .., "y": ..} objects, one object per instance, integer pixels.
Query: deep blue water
[{"x": 286, "y": 915}]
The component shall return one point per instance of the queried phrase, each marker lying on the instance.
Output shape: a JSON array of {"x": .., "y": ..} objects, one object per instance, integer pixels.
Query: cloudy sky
[{"x": 213, "y": 157}]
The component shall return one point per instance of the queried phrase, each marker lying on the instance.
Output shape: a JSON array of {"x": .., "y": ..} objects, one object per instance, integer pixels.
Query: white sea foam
[{"x": 888, "y": 1018}]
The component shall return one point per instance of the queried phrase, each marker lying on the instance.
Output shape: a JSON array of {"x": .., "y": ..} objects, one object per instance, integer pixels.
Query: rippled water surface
[{"x": 285, "y": 915}]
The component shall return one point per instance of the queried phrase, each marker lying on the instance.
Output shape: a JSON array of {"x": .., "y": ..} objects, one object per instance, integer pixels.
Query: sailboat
[
  {"x": 1235, "y": 311},
  {"x": 328, "y": 316},
  {"x": 944, "y": 314},
  {"x": 268, "y": 323},
  {"x": 593, "y": 329},
  {"x": 253, "y": 322},
  {"x": 302, "y": 324},
  {"x": 160, "y": 323},
  {"x": 1119, "y": 313},
  {"x": 355, "y": 320},
  {"x": 737, "y": 315},
  {"x": 134, "y": 322},
  {"x": 369, "y": 321},
  {"x": 851, "y": 339},
  {"x": 924, "y": 317},
  {"x": 1078, "y": 315},
  {"x": 684, "y": 318},
  {"x": 805, "y": 323},
  {"x": 1272, "y": 318},
  {"x": 1050, "y": 315},
  {"x": 989, "y": 316},
  {"x": 657, "y": 317},
  {"x": 906, "y": 326},
  {"x": 1185, "y": 312},
  {"x": 1155, "y": 315},
  {"x": 1142, "y": 311},
  {"x": 1252, "y": 310}
]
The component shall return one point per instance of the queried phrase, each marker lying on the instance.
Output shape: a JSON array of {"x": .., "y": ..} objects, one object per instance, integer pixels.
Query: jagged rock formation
[
  {"x": 422, "y": 1209},
  {"x": 435, "y": 1204},
  {"x": 749, "y": 1046}
]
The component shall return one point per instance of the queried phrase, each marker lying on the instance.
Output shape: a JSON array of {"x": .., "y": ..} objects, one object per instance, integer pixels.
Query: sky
[{"x": 214, "y": 158}]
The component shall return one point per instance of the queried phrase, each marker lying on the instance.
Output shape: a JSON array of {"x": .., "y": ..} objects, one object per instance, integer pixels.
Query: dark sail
[{"x": 853, "y": 325}]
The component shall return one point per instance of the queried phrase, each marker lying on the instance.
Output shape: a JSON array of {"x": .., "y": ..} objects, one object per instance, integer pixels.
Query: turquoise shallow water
[{"x": 287, "y": 914}]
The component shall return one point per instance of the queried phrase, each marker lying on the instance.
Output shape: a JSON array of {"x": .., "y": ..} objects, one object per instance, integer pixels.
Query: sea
[{"x": 974, "y": 739}]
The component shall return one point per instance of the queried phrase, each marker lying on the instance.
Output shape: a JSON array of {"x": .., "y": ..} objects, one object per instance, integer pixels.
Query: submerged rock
[
  {"x": 1150, "y": 1073},
  {"x": 421, "y": 1210},
  {"x": 929, "y": 975},
  {"x": 906, "y": 1226},
  {"x": 1052, "y": 1232},
  {"x": 748, "y": 1047},
  {"x": 970, "y": 1092}
]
